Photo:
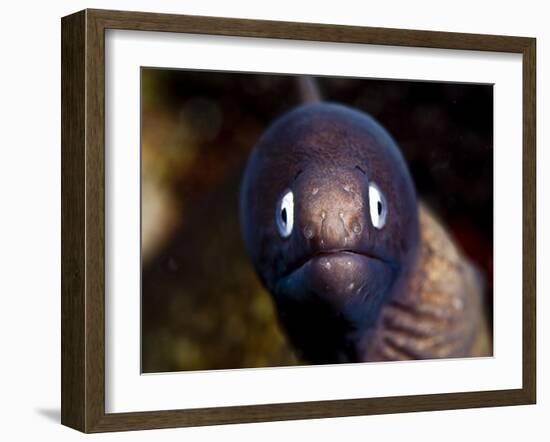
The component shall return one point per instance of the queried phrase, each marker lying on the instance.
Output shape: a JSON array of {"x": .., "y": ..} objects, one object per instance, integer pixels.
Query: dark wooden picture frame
[{"x": 83, "y": 220}]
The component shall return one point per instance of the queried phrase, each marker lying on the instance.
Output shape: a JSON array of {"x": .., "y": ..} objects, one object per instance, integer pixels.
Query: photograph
[
  {"x": 267, "y": 220},
  {"x": 292, "y": 219}
]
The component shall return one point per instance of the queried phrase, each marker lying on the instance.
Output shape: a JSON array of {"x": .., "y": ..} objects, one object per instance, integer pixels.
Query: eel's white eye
[
  {"x": 378, "y": 206},
  {"x": 284, "y": 216}
]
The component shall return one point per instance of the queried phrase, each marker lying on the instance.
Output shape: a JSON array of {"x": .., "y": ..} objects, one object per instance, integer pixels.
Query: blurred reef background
[{"x": 202, "y": 304}]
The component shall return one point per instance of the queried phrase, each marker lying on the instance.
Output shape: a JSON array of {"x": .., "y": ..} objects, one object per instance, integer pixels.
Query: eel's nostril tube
[{"x": 330, "y": 209}]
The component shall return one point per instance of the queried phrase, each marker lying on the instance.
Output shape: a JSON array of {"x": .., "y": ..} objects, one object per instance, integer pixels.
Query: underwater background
[{"x": 203, "y": 306}]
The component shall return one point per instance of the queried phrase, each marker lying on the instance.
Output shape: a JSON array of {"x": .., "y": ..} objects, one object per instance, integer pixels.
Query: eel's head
[{"x": 329, "y": 218}]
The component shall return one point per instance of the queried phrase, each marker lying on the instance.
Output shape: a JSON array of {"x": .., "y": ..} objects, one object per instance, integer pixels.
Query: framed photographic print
[{"x": 268, "y": 220}]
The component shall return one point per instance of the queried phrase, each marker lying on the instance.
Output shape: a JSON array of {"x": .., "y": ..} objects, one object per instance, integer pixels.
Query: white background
[{"x": 30, "y": 222}]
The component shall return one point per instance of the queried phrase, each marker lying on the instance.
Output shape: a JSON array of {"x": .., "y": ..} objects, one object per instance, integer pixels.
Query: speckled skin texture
[
  {"x": 345, "y": 290},
  {"x": 439, "y": 314}
]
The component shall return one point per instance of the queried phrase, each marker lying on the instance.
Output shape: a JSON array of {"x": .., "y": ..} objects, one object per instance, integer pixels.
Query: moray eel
[{"x": 358, "y": 269}]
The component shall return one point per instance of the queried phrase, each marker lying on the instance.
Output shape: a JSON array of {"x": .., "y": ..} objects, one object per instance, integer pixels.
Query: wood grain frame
[{"x": 83, "y": 220}]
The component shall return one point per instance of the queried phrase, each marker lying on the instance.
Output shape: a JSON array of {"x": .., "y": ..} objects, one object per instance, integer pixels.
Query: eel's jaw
[
  {"x": 344, "y": 279},
  {"x": 329, "y": 303}
]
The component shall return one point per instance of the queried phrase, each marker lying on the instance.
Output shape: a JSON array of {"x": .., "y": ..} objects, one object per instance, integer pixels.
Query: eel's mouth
[
  {"x": 326, "y": 256},
  {"x": 338, "y": 276}
]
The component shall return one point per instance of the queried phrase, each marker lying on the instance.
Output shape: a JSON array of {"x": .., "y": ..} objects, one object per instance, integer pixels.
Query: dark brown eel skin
[{"x": 358, "y": 269}]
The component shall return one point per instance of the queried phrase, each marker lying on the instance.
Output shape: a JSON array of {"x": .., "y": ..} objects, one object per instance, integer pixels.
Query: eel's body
[
  {"x": 358, "y": 269},
  {"x": 441, "y": 312}
]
